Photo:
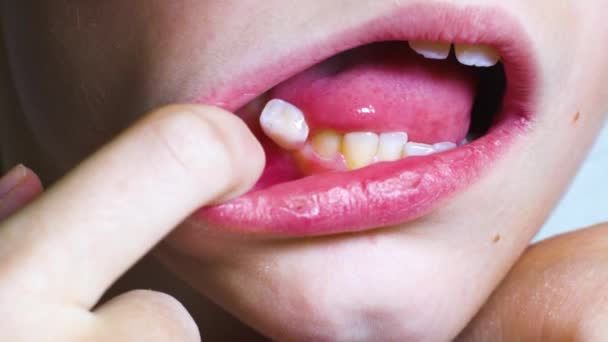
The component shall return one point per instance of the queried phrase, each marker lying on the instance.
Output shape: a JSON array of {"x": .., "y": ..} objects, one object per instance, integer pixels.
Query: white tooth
[
  {"x": 390, "y": 147},
  {"x": 431, "y": 50},
  {"x": 359, "y": 149},
  {"x": 416, "y": 149},
  {"x": 326, "y": 143},
  {"x": 476, "y": 55},
  {"x": 285, "y": 124},
  {"x": 444, "y": 146}
]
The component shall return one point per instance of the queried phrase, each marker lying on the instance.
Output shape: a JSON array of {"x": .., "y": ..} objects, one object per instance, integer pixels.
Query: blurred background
[{"x": 586, "y": 203}]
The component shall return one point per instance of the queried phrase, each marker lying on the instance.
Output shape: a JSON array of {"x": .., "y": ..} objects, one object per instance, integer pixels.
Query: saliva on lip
[{"x": 285, "y": 124}]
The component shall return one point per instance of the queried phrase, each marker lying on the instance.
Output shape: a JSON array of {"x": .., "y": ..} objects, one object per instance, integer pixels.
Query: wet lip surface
[{"x": 388, "y": 193}]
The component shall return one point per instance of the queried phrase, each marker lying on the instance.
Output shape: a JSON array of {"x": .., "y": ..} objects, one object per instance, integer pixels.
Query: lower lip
[
  {"x": 377, "y": 196},
  {"x": 385, "y": 194}
]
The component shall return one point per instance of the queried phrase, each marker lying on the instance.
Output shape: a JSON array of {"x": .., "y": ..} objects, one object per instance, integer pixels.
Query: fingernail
[{"x": 11, "y": 180}]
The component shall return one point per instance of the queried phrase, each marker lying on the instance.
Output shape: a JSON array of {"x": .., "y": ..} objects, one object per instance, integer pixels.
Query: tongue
[{"x": 385, "y": 87}]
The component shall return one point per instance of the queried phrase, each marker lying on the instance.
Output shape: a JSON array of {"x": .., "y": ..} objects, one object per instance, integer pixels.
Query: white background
[{"x": 586, "y": 203}]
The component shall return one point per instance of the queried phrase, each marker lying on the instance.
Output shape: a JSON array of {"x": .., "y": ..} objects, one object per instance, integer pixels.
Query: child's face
[{"x": 83, "y": 70}]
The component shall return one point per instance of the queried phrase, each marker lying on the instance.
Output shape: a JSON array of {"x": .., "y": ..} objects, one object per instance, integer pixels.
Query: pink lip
[{"x": 388, "y": 193}]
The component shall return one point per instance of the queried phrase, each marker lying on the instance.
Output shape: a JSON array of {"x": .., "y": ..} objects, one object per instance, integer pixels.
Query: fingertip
[
  {"x": 147, "y": 315},
  {"x": 12, "y": 179},
  {"x": 18, "y": 188},
  {"x": 247, "y": 156},
  {"x": 238, "y": 155},
  {"x": 30, "y": 185}
]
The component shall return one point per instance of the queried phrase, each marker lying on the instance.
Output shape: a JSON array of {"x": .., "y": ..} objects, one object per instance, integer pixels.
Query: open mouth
[{"x": 384, "y": 124}]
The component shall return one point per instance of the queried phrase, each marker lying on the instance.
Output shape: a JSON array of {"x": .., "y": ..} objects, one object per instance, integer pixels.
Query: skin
[
  {"x": 44, "y": 245},
  {"x": 62, "y": 99}
]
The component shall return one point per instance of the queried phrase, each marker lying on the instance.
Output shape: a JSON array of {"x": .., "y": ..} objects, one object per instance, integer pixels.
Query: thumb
[{"x": 144, "y": 315}]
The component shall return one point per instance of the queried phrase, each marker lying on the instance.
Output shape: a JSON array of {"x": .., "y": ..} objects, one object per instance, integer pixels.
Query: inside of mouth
[{"x": 378, "y": 89}]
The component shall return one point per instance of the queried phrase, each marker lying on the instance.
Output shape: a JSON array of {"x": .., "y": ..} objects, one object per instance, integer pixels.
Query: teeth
[
  {"x": 285, "y": 124},
  {"x": 417, "y": 149},
  {"x": 476, "y": 55},
  {"x": 359, "y": 149},
  {"x": 431, "y": 50},
  {"x": 444, "y": 146},
  {"x": 327, "y": 144},
  {"x": 391, "y": 145}
]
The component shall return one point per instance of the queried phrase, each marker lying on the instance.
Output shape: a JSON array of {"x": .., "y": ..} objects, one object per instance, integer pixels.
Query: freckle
[
  {"x": 496, "y": 239},
  {"x": 576, "y": 117}
]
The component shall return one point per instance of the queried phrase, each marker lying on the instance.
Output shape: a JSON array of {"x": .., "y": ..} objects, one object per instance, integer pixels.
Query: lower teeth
[{"x": 285, "y": 124}]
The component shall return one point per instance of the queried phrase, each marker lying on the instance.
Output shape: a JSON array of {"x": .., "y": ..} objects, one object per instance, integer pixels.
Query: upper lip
[{"x": 435, "y": 22}]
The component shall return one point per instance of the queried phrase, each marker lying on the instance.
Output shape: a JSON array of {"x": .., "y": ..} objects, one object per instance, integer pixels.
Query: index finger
[{"x": 95, "y": 223}]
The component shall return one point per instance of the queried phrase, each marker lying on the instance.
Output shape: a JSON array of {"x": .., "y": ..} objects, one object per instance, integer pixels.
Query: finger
[
  {"x": 145, "y": 316},
  {"x": 556, "y": 292},
  {"x": 96, "y": 222},
  {"x": 17, "y": 188}
]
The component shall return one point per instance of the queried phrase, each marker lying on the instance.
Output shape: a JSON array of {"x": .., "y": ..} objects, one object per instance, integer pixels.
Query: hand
[
  {"x": 557, "y": 291},
  {"x": 61, "y": 252}
]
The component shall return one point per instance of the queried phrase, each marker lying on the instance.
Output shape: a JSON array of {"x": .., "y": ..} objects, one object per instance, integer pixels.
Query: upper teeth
[
  {"x": 431, "y": 50},
  {"x": 471, "y": 55},
  {"x": 476, "y": 55}
]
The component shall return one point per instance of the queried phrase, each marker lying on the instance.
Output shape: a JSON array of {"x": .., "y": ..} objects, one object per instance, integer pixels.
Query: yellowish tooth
[
  {"x": 359, "y": 149},
  {"x": 390, "y": 147},
  {"x": 285, "y": 124},
  {"x": 326, "y": 143}
]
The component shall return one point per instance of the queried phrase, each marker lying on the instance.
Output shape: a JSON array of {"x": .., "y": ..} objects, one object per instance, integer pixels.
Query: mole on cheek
[{"x": 576, "y": 117}]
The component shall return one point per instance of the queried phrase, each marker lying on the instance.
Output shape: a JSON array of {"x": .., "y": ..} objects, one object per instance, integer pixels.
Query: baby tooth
[
  {"x": 327, "y": 143},
  {"x": 391, "y": 145},
  {"x": 431, "y": 50},
  {"x": 285, "y": 124},
  {"x": 444, "y": 146},
  {"x": 416, "y": 149},
  {"x": 359, "y": 149},
  {"x": 476, "y": 55}
]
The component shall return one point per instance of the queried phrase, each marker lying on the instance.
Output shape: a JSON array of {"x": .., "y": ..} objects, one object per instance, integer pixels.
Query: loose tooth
[
  {"x": 431, "y": 50},
  {"x": 444, "y": 146},
  {"x": 327, "y": 143},
  {"x": 416, "y": 149},
  {"x": 285, "y": 124},
  {"x": 391, "y": 145},
  {"x": 476, "y": 55},
  {"x": 359, "y": 149}
]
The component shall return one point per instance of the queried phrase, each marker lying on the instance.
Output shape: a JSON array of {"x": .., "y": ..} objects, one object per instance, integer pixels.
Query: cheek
[
  {"x": 72, "y": 72},
  {"x": 85, "y": 71}
]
